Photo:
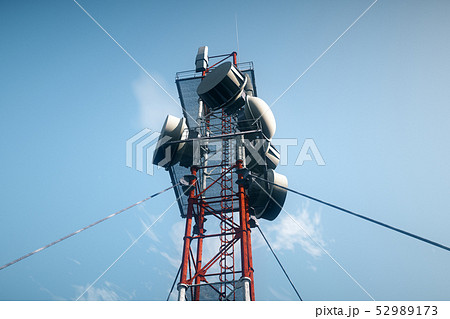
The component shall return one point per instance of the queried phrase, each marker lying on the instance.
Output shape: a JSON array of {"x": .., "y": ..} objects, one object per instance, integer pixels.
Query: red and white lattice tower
[
  {"x": 227, "y": 280},
  {"x": 205, "y": 155}
]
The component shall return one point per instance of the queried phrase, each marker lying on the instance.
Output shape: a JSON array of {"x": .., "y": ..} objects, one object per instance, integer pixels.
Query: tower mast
[
  {"x": 220, "y": 275},
  {"x": 224, "y": 136}
]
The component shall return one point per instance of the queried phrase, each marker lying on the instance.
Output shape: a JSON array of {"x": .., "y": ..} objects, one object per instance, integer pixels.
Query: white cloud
[
  {"x": 278, "y": 294},
  {"x": 150, "y": 233},
  {"x": 42, "y": 288},
  {"x": 176, "y": 235},
  {"x": 74, "y": 260},
  {"x": 312, "y": 267},
  {"x": 154, "y": 103},
  {"x": 108, "y": 292},
  {"x": 257, "y": 240},
  {"x": 173, "y": 261},
  {"x": 286, "y": 234},
  {"x": 97, "y": 293}
]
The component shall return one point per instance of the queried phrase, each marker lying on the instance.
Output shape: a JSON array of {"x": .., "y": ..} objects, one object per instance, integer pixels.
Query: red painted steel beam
[{"x": 187, "y": 231}]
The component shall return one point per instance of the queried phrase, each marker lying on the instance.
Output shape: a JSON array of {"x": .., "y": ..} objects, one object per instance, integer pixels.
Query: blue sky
[{"x": 376, "y": 105}]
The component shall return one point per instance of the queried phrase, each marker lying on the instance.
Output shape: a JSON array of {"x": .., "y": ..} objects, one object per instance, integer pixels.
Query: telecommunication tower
[{"x": 211, "y": 154}]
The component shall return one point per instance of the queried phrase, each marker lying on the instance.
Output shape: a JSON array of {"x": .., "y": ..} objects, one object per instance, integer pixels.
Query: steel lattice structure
[{"x": 217, "y": 261}]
